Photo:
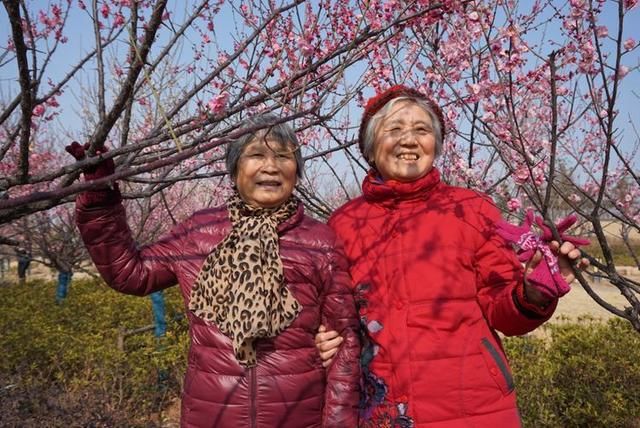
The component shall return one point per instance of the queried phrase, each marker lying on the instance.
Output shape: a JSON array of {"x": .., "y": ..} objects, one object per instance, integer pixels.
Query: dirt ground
[{"x": 578, "y": 303}]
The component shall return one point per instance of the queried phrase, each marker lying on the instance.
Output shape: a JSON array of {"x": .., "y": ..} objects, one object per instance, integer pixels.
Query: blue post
[
  {"x": 157, "y": 305},
  {"x": 64, "y": 278},
  {"x": 160, "y": 324}
]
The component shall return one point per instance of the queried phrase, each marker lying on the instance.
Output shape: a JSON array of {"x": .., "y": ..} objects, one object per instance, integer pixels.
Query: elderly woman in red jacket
[
  {"x": 258, "y": 277},
  {"x": 433, "y": 279}
]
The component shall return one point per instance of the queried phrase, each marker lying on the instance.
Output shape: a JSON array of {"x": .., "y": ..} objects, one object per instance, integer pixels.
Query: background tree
[{"x": 535, "y": 95}]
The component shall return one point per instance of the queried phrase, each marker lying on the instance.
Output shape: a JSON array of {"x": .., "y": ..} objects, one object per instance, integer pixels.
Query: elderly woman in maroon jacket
[
  {"x": 258, "y": 277},
  {"x": 434, "y": 280}
]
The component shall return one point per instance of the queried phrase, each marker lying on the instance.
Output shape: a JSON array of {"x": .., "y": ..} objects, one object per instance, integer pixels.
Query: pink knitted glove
[{"x": 546, "y": 277}]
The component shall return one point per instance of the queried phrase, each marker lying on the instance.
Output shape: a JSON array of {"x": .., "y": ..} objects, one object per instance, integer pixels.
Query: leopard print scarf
[{"x": 241, "y": 286}]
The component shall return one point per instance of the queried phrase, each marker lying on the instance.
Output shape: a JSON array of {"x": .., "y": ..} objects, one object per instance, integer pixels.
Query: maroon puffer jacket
[{"x": 288, "y": 387}]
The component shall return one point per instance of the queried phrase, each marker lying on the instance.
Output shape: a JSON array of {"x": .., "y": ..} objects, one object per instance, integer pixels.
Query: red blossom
[
  {"x": 38, "y": 110},
  {"x": 104, "y": 10},
  {"x": 118, "y": 19}
]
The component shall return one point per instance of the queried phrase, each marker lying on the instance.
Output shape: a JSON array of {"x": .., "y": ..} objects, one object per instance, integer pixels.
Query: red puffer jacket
[
  {"x": 288, "y": 387},
  {"x": 433, "y": 282}
]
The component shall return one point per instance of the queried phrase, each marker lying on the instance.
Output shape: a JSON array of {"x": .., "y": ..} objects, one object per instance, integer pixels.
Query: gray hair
[
  {"x": 370, "y": 131},
  {"x": 265, "y": 126}
]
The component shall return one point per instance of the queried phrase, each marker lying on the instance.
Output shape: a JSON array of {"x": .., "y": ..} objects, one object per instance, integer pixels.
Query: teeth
[{"x": 408, "y": 156}]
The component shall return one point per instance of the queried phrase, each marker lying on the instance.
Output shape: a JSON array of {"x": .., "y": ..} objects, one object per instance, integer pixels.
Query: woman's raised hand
[{"x": 102, "y": 169}]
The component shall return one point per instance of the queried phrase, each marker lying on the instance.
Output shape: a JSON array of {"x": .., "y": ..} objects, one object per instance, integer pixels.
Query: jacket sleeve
[
  {"x": 101, "y": 219},
  {"x": 342, "y": 392},
  {"x": 499, "y": 280}
]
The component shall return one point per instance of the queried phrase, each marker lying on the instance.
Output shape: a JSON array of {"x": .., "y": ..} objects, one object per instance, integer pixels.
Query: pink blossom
[
  {"x": 602, "y": 31},
  {"x": 628, "y": 4},
  {"x": 521, "y": 175},
  {"x": 305, "y": 47},
  {"x": 514, "y": 204},
  {"x": 38, "y": 110},
  {"x": 218, "y": 103},
  {"x": 488, "y": 116},
  {"x": 52, "y": 102},
  {"x": 118, "y": 20},
  {"x": 575, "y": 198},
  {"x": 81, "y": 5},
  {"x": 630, "y": 43},
  {"x": 623, "y": 70},
  {"x": 104, "y": 10}
]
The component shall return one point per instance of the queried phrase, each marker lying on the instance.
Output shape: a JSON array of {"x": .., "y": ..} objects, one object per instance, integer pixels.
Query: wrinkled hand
[
  {"x": 328, "y": 343},
  {"x": 102, "y": 169}
]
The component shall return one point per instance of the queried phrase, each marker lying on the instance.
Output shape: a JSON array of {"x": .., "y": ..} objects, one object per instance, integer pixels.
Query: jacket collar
[{"x": 392, "y": 192}]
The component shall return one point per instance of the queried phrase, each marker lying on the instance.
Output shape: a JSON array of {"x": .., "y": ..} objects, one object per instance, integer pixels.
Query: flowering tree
[{"x": 535, "y": 99}]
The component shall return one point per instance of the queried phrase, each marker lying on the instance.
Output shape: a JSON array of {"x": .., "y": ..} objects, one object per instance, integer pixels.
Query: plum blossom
[
  {"x": 521, "y": 175},
  {"x": 602, "y": 31},
  {"x": 52, "y": 102},
  {"x": 38, "y": 110},
  {"x": 622, "y": 71},
  {"x": 305, "y": 47},
  {"x": 630, "y": 43},
  {"x": 104, "y": 10},
  {"x": 218, "y": 103},
  {"x": 118, "y": 20},
  {"x": 514, "y": 204}
]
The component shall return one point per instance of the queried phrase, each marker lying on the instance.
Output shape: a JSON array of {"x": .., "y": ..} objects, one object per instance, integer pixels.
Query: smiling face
[
  {"x": 404, "y": 145},
  {"x": 266, "y": 173}
]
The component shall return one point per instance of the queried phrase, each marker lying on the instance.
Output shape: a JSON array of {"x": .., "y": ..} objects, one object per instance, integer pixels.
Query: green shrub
[
  {"x": 61, "y": 365},
  {"x": 621, "y": 254},
  {"x": 73, "y": 348},
  {"x": 583, "y": 375}
]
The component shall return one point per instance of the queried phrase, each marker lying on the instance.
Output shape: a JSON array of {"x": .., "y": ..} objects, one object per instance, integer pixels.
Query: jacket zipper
[{"x": 253, "y": 387}]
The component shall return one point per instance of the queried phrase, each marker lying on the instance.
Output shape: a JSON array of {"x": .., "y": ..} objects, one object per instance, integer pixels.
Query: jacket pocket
[{"x": 497, "y": 366}]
